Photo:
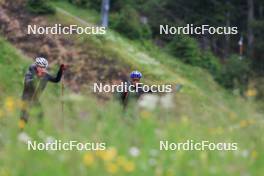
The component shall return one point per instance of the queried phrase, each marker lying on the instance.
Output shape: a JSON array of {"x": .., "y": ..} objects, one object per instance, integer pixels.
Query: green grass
[
  {"x": 90, "y": 15},
  {"x": 203, "y": 111}
]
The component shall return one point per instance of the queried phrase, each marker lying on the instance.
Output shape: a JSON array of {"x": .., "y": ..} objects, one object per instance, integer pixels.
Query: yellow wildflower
[
  {"x": 121, "y": 160},
  {"x": 112, "y": 168},
  {"x": 9, "y": 104},
  {"x": 21, "y": 124},
  {"x": 108, "y": 155},
  {"x": 254, "y": 154},
  {"x": 88, "y": 159},
  {"x": 99, "y": 153},
  {"x": 251, "y": 93},
  {"x": 129, "y": 166},
  {"x": 243, "y": 123}
]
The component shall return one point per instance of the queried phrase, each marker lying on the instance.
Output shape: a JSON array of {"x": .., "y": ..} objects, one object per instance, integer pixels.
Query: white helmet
[{"x": 42, "y": 62}]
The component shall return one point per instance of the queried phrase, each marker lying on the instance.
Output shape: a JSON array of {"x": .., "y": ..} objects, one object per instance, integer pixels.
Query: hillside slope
[{"x": 203, "y": 111}]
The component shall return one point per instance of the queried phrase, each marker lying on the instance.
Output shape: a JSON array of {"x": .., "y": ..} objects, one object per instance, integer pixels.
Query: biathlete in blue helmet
[{"x": 136, "y": 91}]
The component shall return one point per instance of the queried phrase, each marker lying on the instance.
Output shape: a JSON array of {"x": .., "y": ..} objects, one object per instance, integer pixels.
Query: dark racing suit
[
  {"x": 33, "y": 87},
  {"x": 125, "y": 96}
]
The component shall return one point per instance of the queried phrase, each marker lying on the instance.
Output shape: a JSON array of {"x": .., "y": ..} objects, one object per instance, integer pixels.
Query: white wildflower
[
  {"x": 245, "y": 153},
  {"x": 152, "y": 162},
  {"x": 148, "y": 101},
  {"x": 166, "y": 101},
  {"x": 134, "y": 151},
  {"x": 24, "y": 137},
  {"x": 49, "y": 139}
]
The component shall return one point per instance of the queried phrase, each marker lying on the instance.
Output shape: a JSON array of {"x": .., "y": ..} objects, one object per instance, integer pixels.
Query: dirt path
[
  {"x": 85, "y": 66},
  {"x": 79, "y": 20}
]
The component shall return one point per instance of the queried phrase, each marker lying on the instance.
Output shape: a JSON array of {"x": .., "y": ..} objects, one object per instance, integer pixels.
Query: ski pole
[{"x": 62, "y": 100}]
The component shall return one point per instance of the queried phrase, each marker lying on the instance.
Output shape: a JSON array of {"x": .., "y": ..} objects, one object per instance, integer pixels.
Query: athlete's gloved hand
[{"x": 63, "y": 67}]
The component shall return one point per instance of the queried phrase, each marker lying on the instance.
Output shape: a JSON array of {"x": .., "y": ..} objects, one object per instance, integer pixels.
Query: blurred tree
[
  {"x": 40, "y": 7},
  {"x": 250, "y": 20},
  {"x": 105, "y": 12},
  {"x": 141, "y": 19}
]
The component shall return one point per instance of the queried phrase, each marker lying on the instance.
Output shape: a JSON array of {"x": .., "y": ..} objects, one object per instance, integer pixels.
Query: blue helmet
[{"x": 135, "y": 74}]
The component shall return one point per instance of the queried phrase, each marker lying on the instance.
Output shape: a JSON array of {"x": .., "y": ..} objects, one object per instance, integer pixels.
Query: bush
[
  {"x": 260, "y": 88},
  {"x": 40, "y": 7},
  {"x": 235, "y": 73},
  {"x": 211, "y": 63},
  {"x": 79, "y": 2},
  {"x": 185, "y": 48},
  {"x": 94, "y": 4},
  {"x": 127, "y": 22},
  {"x": 124, "y": 18}
]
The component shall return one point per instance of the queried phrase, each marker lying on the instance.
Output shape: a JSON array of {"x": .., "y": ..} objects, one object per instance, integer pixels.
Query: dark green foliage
[
  {"x": 185, "y": 48},
  {"x": 235, "y": 73},
  {"x": 260, "y": 88},
  {"x": 40, "y": 7},
  {"x": 125, "y": 18},
  {"x": 259, "y": 46},
  {"x": 94, "y": 4},
  {"x": 182, "y": 12},
  {"x": 211, "y": 63},
  {"x": 127, "y": 22}
]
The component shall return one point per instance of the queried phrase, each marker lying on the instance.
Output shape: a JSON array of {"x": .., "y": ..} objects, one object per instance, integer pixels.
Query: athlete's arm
[
  {"x": 29, "y": 77},
  {"x": 29, "y": 83},
  {"x": 58, "y": 77}
]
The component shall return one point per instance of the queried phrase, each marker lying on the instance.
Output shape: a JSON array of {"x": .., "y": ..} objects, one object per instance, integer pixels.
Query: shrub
[
  {"x": 40, "y": 7},
  {"x": 210, "y": 62},
  {"x": 94, "y": 4},
  {"x": 79, "y": 2},
  {"x": 260, "y": 88},
  {"x": 127, "y": 22},
  {"x": 185, "y": 48},
  {"x": 235, "y": 73}
]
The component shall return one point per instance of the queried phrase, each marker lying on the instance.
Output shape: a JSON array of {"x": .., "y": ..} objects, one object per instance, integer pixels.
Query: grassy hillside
[
  {"x": 203, "y": 111},
  {"x": 157, "y": 66}
]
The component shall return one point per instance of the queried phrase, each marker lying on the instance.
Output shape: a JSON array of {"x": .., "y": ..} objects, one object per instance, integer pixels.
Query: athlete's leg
[
  {"x": 39, "y": 111},
  {"x": 24, "y": 115}
]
